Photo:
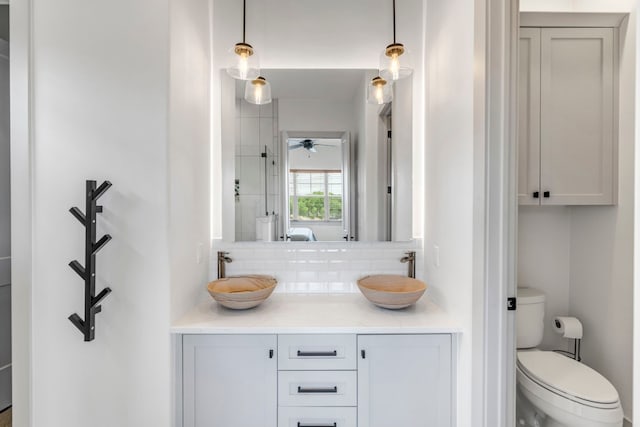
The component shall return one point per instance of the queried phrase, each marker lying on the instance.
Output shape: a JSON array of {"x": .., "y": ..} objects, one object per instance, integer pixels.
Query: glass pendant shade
[
  {"x": 243, "y": 62},
  {"x": 258, "y": 91},
  {"x": 379, "y": 91},
  {"x": 395, "y": 62}
]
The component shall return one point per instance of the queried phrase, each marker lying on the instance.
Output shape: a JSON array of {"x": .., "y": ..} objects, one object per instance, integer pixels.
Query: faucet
[
  {"x": 222, "y": 260},
  {"x": 411, "y": 259}
]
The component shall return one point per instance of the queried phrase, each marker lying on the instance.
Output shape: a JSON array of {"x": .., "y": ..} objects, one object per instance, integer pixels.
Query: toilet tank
[{"x": 529, "y": 317}]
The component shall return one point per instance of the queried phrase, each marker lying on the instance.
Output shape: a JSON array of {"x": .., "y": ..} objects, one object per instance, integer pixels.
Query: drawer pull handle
[
  {"x": 333, "y": 389},
  {"x": 317, "y": 425},
  {"x": 318, "y": 353}
]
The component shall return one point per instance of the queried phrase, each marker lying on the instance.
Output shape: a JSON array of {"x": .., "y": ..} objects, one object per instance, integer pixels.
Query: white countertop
[{"x": 316, "y": 313}]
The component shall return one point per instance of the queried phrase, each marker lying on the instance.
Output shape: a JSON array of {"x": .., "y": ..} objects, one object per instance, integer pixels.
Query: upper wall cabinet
[{"x": 566, "y": 112}]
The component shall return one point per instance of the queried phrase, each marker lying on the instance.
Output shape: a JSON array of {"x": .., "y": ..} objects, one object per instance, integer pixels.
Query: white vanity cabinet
[
  {"x": 566, "y": 113},
  {"x": 317, "y": 380},
  {"x": 404, "y": 380},
  {"x": 229, "y": 380}
]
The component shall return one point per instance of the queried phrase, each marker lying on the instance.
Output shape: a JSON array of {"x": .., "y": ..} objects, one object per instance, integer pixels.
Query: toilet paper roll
[{"x": 568, "y": 327}]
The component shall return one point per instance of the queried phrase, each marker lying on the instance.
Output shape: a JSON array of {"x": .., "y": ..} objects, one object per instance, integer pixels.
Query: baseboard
[{"x": 627, "y": 423}]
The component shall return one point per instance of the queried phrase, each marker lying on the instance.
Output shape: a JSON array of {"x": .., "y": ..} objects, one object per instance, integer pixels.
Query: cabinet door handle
[
  {"x": 270, "y": 354},
  {"x": 317, "y": 425},
  {"x": 536, "y": 194},
  {"x": 333, "y": 389},
  {"x": 318, "y": 353},
  {"x": 547, "y": 194}
]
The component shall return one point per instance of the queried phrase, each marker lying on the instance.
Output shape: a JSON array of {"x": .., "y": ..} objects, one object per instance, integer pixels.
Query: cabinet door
[
  {"x": 577, "y": 112},
  {"x": 404, "y": 380},
  {"x": 230, "y": 381},
  {"x": 529, "y": 117}
]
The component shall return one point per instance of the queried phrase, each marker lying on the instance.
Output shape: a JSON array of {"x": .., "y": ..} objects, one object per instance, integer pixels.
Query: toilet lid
[{"x": 567, "y": 376}]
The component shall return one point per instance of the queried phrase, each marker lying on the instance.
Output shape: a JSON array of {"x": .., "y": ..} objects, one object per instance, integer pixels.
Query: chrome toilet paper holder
[{"x": 576, "y": 346}]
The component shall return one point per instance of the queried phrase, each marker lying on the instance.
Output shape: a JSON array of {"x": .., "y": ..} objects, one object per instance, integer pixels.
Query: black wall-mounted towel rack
[{"x": 88, "y": 271}]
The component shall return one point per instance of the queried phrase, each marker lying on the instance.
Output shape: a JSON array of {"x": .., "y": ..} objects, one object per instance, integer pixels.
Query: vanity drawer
[
  {"x": 317, "y": 388},
  {"x": 317, "y": 417},
  {"x": 317, "y": 352}
]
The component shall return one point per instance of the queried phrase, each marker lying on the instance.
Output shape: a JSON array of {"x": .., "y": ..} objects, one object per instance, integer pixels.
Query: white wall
[
  {"x": 402, "y": 155},
  {"x": 603, "y": 6},
  {"x": 598, "y": 278},
  {"x": 601, "y": 290},
  {"x": 315, "y": 115},
  {"x": 449, "y": 170},
  {"x": 544, "y": 245},
  {"x": 99, "y": 102},
  {"x": 189, "y": 151}
]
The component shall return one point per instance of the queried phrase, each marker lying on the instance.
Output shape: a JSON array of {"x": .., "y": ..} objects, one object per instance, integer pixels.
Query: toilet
[{"x": 554, "y": 390}]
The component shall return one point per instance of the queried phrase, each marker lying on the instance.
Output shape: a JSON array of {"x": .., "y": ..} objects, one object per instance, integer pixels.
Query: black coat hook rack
[{"x": 88, "y": 272}]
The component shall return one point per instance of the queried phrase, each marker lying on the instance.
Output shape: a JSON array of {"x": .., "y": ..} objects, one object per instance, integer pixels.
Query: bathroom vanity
[{"x": 316, "y": 360}]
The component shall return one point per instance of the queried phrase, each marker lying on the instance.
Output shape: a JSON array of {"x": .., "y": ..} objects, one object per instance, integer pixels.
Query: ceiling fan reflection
[{"x": 308, "y": 144}]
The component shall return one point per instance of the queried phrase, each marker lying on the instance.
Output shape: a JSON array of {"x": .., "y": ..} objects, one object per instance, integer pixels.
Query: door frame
[
  {"x": 347, "y": 206},
  {"x": 21, "y": 94},
  {"x": 496, "y": 261}
]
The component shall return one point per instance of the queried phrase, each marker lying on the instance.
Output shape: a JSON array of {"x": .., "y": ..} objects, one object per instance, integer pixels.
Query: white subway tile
[
  {"x": 307, "y": 276},
  {"x": 250, "y": 132},
  {"x": 266, "y": 110},
  {"x": 248, "y": 109},
  {"x": 319, "y": 266},
  {"x": 266, "y": 137}
]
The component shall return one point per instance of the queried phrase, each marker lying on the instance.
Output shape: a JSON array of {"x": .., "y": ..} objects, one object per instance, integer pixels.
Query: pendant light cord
[
  {"x": 244, "y": 20},
  {"x": 394, "y": 21}
]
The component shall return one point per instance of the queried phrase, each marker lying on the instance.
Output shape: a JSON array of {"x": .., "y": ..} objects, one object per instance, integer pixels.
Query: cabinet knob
[
  {"x": 536, "y": 194},
  {"x": 547, "y": 194}
]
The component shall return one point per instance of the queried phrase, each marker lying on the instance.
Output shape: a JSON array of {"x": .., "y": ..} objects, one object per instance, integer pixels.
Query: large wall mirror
[{"x": 317, "y": 163}]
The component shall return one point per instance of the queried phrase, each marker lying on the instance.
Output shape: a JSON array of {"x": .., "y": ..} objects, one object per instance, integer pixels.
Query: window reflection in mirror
[{"x": 318, "y": 163}]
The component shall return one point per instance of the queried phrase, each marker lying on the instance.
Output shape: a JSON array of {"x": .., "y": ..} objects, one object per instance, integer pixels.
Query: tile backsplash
[{"x": 317, "y": 267}]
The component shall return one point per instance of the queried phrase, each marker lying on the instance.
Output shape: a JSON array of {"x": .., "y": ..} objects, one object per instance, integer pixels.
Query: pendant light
[
  {"x": 395, "y": 60},
  {"x": 379, "y": 92},
  {"x": 243, "y": 59},
  {"x": 258, "y": 91}
]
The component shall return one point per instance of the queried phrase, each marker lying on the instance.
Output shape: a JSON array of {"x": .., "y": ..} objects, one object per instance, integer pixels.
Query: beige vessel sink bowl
[
  {"x": 242, "y": 292},
  {"x": 391, "y": 291}
]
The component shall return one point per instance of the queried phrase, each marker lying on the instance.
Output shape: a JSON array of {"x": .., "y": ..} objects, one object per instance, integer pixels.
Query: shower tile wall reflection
[{"x": 256, "y": 131}]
